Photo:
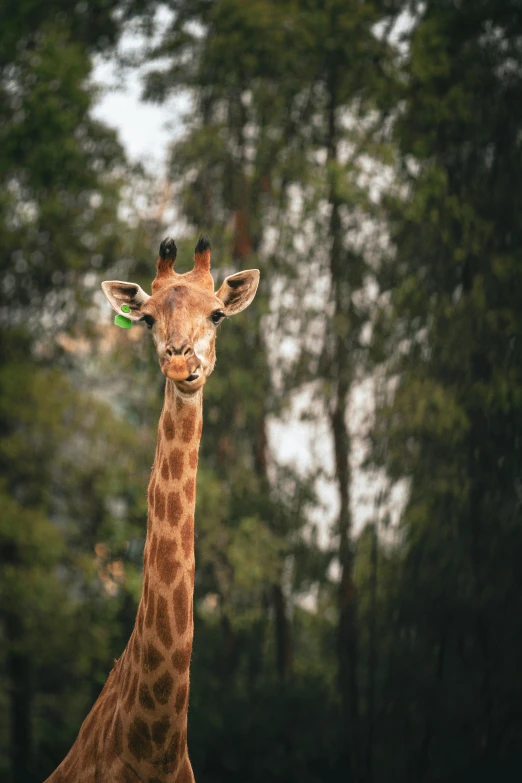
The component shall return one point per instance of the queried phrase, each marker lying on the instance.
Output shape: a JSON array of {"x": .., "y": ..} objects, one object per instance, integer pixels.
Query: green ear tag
[
  {"x": 125, "y": 309},
  {"x": 120, "y": 320}
]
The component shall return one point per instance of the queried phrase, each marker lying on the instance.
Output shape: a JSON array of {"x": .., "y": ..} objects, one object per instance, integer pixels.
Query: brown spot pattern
[
  {"x": 136, "y": 649},
  {"x": 94, "y": 739},
  {"x": 168, "y": 426},
  {"x": 163, "y": 623},
  {"x": 149, "y": 616},
  {"x": 187, "y": 536},
  {"x": 159, "y": 504},
  {"x": 145, "y": 697},
  {"x": 181, "y": 697},
  {"x": 152, "y": 487},
  {"x": 152, "y": 658},
  {"x": 115, "y": 745},
  {"x": 131, "y": 696},
  {"x": 118, "y": 734},
  {"x": 161, "y": 555},
  {"x": 93, "y": 718},
  {"x": 189, "y": 488},
  {"x": 163, "y": 688},
  {"x": 126, "y": 680},
  {"x": 174, "y": 508},
  {"x": 160, "y": 729},
  {"x": 165, "y": 470},
  {"x": 127, "y": 776},
  {"x": 167, "y": 565},
  {"x": 110, "y": 703},
  {"x": 181, "y": 658},
  {"x": 171, "y": 755},
  {"x": 181, "y": 607},
  {"x": 140, "y": 744},
  {"x": 188, "y": 427},
  {"x": 153, "y": 549},
  {"x": 176, "y": 463}
]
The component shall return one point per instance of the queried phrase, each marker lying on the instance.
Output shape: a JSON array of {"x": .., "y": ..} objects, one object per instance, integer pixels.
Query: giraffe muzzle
[{"x": 181, "y": 369}]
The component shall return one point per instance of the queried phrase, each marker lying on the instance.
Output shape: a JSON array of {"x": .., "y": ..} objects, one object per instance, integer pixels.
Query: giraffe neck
[{"x": 155, "y": 683}]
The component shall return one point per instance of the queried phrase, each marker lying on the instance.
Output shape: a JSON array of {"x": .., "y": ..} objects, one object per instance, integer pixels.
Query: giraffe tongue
[{"x": 177, "y": 369}]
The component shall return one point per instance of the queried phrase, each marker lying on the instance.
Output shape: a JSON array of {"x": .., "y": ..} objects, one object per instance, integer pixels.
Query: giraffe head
[{"x": 183, "y": 311}]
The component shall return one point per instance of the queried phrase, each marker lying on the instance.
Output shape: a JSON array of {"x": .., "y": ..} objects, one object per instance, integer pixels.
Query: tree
[
  {"x": 451, "y": 425},
  {"x": 69, "y": 520},
  {"x": 278, "y": 90}
]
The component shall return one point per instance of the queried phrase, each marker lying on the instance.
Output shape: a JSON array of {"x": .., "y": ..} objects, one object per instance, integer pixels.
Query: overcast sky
[
  {"x": 145, "y": 129},
  {"x": 141, "y": 126}
]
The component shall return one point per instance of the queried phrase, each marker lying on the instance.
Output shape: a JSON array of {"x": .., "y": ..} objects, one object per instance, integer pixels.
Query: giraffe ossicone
[{"x": 137, "y": 729}]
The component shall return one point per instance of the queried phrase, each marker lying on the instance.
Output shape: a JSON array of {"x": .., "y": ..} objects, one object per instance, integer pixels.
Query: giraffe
[{"x": 136, "y": 731}]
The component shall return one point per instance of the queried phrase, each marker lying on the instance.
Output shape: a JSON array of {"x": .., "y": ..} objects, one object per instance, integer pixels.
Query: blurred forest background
[{"x": 366, "y": 155}]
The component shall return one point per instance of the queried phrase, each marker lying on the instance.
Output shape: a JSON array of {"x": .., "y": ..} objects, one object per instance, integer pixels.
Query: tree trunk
[
  {"x": 341, "y": 375},
  {"x": 282, "y": 634},
  {"x": 372, "y": 652},
  {"x": 347, "y": 629}
]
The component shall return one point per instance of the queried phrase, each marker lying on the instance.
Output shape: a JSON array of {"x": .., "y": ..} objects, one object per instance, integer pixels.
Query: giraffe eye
[
  {"x": 217, "y": 317},
  {"x": 149, "y": 320}
]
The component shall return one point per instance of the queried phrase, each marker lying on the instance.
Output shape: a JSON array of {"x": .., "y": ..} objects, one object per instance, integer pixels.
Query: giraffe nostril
[{"x": 185, "y": 350}]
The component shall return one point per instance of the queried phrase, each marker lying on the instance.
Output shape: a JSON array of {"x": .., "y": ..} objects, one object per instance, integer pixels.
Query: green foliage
[
  {"x": 59, "y": 500},
  {"x": 272, "y": 85},
  {"x": 451, "y": 425},
  {"x": 301, "y": 111},
  {"x": 60, "y": 169},
  {"x": 71, "y": 527}
]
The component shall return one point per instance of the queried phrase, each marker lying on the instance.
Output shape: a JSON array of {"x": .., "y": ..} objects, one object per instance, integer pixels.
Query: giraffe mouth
[
  {"x": 180, "y": 370},
  {"x": 191, "y": 383},
  {"x": 187, "y": 375}
]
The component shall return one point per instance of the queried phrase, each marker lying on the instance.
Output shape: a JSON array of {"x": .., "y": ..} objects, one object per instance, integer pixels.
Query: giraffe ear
[
  {"x": 238, "y": 290},
  {"x": 120, "y": 294}
]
